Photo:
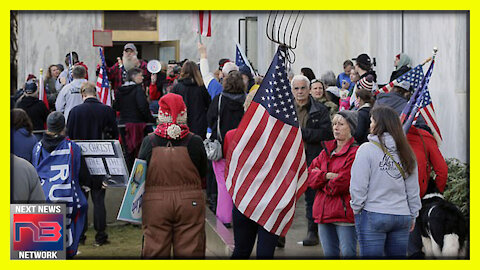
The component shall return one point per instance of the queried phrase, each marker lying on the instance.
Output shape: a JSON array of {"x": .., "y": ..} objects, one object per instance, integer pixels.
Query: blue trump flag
[{"x": 59, "y": 173}]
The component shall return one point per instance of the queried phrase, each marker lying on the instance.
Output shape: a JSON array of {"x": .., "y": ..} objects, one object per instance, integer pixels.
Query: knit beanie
[
  {"x": 55, "y": 122},
  {"x": 366, "y": 83},
  {"x": 352, "y": 119},
  {"x": 172, "y": 110}
]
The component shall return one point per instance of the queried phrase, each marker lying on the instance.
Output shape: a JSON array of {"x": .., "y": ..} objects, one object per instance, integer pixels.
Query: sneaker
[{"x": 98, "y": 244}]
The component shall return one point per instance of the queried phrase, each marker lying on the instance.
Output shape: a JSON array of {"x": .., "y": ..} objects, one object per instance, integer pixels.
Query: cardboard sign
[
  {"x": 104, "y": 159},
  {"x": 131, "y": 208}
]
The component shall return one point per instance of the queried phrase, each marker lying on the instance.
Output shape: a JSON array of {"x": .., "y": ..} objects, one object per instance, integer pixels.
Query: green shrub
[{"x": 457, "y": 190}]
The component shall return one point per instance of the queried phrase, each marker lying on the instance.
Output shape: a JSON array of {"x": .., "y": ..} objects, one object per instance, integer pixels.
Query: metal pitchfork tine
[{"x": 276, "y": 26}]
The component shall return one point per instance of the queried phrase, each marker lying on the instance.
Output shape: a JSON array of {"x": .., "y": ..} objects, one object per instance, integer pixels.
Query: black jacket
[
  {"x": 36, "y": 110},
  {"x": 197, "y": 100},
  {"x": 363, "y": 125},
  {"x": 399, "y": 72},
  {"x": 231, "y": 113},
  {"x": 92, "y": 120},
  {"x": 317, "y": 129},
  {"x": 131, "y": 102}
]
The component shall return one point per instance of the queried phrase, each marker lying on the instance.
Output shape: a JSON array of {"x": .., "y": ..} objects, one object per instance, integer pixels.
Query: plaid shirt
[{"x": 115, "y": 75}]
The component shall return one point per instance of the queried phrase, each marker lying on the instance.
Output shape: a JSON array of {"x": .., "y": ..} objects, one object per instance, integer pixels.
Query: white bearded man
[{"x": 117, "y": 73}]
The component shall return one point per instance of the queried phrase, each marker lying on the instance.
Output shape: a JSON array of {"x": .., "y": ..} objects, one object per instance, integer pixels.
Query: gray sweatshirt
[
  {"x": 69, "y": 97},
  {"x": 376, "y": 184}
]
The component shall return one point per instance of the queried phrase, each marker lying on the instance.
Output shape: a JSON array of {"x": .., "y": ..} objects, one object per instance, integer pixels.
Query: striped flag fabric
[
  {"x": 413, "y": 76},
  {"x": 42, "y": 94},
  {"x": 428, "y": 113},
  {"x": 241, "y": 59},
  {"x": 266, "y": 169},
  {"x": 103, "y": 86},
  {"x": 202, "y": 23},
  {"x": 423, "y": 105}
]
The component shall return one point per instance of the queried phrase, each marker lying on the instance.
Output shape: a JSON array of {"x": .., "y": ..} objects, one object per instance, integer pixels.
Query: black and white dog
[{"x": 442, "y": 224}]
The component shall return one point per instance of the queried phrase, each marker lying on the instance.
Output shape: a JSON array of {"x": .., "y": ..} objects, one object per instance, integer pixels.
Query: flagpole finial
[
  {"x": 41, "y": 71},
  {"x": 435, "y": 50}
]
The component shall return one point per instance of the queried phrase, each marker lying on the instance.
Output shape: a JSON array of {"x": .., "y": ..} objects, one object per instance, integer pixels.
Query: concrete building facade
[{"x": 326, "y": 39}]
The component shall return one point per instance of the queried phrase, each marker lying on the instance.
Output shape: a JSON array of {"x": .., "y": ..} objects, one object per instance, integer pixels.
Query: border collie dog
[{"x": 443, "y": 226}]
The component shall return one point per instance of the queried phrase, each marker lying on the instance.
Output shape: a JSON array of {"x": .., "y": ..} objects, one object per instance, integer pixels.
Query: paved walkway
[{"x": 293, "y": 249}]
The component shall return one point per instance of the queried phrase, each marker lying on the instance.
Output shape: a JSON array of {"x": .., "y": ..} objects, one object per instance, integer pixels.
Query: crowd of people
[{"x": 365, "y": 175}]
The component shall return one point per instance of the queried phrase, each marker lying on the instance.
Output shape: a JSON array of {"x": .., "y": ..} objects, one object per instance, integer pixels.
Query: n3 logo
[
  {"x": 44, "y": 232},
  {"x": 38, "y": 232}
]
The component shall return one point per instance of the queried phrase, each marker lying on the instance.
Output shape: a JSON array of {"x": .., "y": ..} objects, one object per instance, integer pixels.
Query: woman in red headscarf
[{"x": 173, "y": 210}]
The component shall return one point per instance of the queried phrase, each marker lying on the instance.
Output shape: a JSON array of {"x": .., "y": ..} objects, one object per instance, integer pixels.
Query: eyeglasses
[
  {"x": 315, "y": 81},
  {"x": 298, "y": 88}
]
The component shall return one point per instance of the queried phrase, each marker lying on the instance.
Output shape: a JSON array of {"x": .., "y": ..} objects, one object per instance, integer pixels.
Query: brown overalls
[{"x": 173, "y": 211}]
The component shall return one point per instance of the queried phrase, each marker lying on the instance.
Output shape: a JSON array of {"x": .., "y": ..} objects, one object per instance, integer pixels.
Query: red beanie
[{"x": 172, "y": 109}]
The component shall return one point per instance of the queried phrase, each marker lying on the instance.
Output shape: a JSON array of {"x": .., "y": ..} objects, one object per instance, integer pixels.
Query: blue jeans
[
  {"x": 338, "y": 239},
  {"x": 382, "y": 235}
]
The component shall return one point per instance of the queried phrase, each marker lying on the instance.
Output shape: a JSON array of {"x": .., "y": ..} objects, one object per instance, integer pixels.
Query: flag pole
[{"x": 198, "y": 30}]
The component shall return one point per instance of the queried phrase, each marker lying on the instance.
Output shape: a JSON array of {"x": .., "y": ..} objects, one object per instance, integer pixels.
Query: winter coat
[
  {"x": 397, "y": 102},
  {"x": 26, "y": 187},
  {"x": 197, "y": 101},
  {"x": 23, "y": 144},
  {"x": 435, "y": 159},
  {"x": 317, "y": 129},
  {"x": 92, "y": 120},
  {"x": 332, "y": 198},
  {"x": 332, "y": 107},
  {"x": 378, "y": 186},
  {"x": 131, "y": 102},
  {"x": 231, "y": 113},
  {"x": 363, "y": 124},
  {"x": 399, "y": 72},
  {"x": 35, "y": 109}
]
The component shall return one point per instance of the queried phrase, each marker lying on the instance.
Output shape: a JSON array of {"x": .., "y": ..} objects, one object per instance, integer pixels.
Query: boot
[
  {"x": 281, "y": 242},
  {"x": 312, "y": 235}
]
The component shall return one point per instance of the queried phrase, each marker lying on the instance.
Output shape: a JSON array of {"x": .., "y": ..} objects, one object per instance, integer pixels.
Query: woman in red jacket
[
  {"x": 428, "y": 158},
  {"x": 329, "y": 174}
]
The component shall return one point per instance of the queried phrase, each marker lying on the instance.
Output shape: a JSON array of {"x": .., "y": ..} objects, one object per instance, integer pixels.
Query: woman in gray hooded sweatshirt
[{"x": 384, "y": 188}]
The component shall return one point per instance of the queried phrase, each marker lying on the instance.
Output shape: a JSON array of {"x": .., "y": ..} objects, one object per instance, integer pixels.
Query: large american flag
[
  {"x": 423, "y": 105},
  {"x": 202, "y": 23},
  {"x": 266, "y": 164},
  {"x": 413, "y": 76},
  {"x": 103, "y": 86}
]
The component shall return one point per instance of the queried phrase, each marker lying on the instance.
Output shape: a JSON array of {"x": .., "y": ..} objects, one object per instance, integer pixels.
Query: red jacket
[
  {"x": 332, "y": 201},
  {"x": 436, "y": 159}
]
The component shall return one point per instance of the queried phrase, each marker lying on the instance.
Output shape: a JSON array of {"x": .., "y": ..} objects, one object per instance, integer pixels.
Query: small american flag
[
  {"x": 202, "y": 23},
  {"x": 424, "y": 106},
  {"x": 413, "y": 76},
  {"x": 103, "y": 86},
  {"x": 266, "y": 165},
  {"x": 241, "y": 59}
]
